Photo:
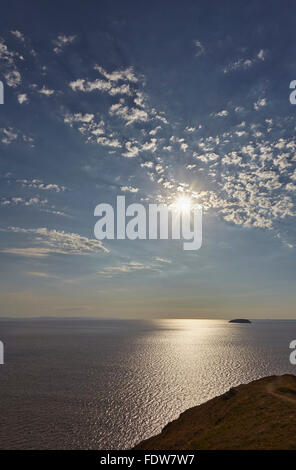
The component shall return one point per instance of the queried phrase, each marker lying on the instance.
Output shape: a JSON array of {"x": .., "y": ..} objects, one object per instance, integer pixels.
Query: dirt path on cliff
[{"x": 274, "y": 389}]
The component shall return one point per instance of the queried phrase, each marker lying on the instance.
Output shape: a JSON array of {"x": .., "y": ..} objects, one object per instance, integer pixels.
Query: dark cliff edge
[{"x": 258, "y": 415}]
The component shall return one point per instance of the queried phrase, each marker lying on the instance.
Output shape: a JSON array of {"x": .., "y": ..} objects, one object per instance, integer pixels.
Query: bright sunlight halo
[{"x": 183, "y": 204}]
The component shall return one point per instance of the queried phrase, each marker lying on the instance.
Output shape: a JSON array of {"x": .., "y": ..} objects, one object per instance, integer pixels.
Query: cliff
[{"x": 258, "y": 415}]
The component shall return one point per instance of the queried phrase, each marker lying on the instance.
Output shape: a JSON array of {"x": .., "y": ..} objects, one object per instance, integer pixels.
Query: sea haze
[{"x": 101, "y": 384}]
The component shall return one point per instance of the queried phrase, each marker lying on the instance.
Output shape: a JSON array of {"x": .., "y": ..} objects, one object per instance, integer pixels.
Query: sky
[{"x": 151, "y": 100}]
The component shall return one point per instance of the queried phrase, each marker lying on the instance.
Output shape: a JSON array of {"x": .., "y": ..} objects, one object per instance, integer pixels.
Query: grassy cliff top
[{"x": 258, "y": 415}]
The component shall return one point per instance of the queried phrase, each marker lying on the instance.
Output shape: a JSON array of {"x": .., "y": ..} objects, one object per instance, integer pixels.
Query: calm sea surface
[{"x": 98, "y": 384}]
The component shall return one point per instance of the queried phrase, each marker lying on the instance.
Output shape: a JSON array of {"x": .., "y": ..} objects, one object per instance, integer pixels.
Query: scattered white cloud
[
  {"x": 154, "y": 131},
  {"x": 222, "y": 113},
  {"x": 13, "y": 78},
  {"x": 200, "y": 49},
  {"x": 107, "y": 142},
  {"x": 129, "y": 189},
  {"x": 78, "y": 117},
  {"x": 33, "y": 201},
  {"x": 22, "y": 98},
  {"x": 9, "y": 60},
  {"x": 18, "y": 35},
  {"x": 62, "y": 41},
  {"x": 8, "y": 135},
  {"x": 148, "y": 164},
  {"x": 88, "y": 86},
  {"x": 261, "y": 54},
  {"x": 259, "y": 103},
  {"x": 117, "y": 75},
  {"x": 131, "y": 150},
  {"x": 130, "y": 115},
  {"x": 29, "y": 140},
  {"x": 190, "y": 166},
  {"x": 132, "y": 108},
  {"x": 46, "y": 91}
]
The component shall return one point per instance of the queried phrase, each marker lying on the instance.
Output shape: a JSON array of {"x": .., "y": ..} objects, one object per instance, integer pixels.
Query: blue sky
[{"x": 150, "y": 100}]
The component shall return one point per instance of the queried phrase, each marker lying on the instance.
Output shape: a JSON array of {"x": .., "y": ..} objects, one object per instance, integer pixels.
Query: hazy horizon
[{"x": 148, "y": 318}]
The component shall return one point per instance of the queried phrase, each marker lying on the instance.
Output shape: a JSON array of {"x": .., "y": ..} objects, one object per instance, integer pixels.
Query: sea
[{"x": 108, "y": 384}]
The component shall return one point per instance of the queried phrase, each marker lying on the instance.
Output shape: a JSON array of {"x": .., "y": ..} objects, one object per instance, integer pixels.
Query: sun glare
[{"x": 183, "y": 204}]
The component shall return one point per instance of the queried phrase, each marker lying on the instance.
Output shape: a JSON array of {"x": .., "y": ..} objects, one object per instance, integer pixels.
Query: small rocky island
[
  {"x": 239, "y": 320},
  {"x": 258, "y": 415}
]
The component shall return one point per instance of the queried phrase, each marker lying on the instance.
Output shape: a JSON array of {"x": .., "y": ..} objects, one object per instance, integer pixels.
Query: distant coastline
[
  {"x": 239, "y": 320},
  {"x": 258, "y": 415}
]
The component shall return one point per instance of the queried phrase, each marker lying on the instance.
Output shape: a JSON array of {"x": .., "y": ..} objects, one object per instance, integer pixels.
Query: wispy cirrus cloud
[
  {"x": 127, "y": 268},
  {"x": 51, "y": 241},
  {"x": 42, "y": 275},
  {"x": 16, "y": 201},
  {"x": 162, "y": 260},
  {"x": 39, "y": 184},
  {"x": 246, "y": 62}
]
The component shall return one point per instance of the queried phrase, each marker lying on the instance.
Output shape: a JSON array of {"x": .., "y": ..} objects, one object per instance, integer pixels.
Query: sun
[{"x": 182, "y": 204}]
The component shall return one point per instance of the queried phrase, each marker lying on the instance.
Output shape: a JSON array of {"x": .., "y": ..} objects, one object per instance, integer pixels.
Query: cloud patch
[
  {"x": 62, "y": 41},
  {"x": 48, "y": 242}
]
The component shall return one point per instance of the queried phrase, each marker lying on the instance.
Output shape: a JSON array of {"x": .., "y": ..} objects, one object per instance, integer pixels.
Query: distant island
[
  {"x": 240, "y": 320},
  {"x": 258, "y": 415}
]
